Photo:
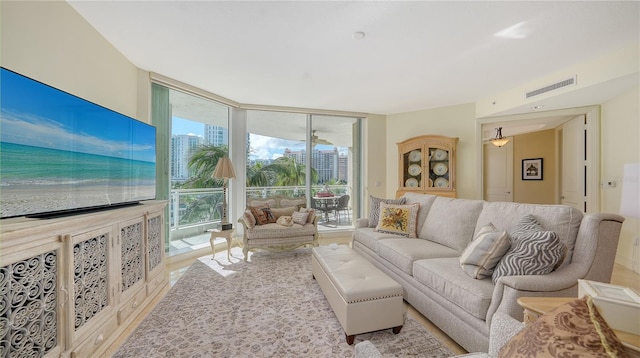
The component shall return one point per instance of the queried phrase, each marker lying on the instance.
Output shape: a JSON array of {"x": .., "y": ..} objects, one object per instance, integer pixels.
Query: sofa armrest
[
  {"x": 362, "y": 222},
  {"x": 560, "y": 283},
  {"x": 561, "y": 279}
]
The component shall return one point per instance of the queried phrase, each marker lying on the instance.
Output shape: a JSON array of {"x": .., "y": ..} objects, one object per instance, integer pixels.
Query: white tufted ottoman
[{"x": 363, "y": 298}]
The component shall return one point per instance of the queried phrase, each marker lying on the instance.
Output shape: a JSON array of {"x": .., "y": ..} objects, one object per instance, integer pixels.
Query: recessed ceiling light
[
  {"x": 535, "y": 108},
  {"x": 359, "y": 35}
]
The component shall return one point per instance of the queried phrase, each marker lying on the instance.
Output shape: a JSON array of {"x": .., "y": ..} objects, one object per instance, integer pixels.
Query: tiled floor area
[{"x": 621, "y": 276}]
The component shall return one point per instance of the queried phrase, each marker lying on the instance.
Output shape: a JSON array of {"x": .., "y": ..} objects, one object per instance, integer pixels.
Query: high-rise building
[
  {"x": 182, "y": 147},
  {"x": 325, "y": 162},
  {"x": 215, "y": 135}
]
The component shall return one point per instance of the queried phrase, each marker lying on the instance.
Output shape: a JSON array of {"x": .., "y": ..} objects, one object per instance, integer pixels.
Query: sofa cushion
[
  {"x": 444, "y": 276},
  {"x": 369, "y": 238},
  {"x": 278, "y": 212},
  {"x": 534, "y": 251},
  {"x": 374, "y": 208},
  {"x": 451, "y": 222},
  {"x": 425, "y": 201},
  {"x": 575, "y": 329},
  {"x": 398, "y": 219},
  {"x": 270, "y": 231},
  {"x": 403, "y": 252},
  {"x": 262, "y": 202},
  {"x": 563, "y": 220},
  {"x": 482, "y": 254}
]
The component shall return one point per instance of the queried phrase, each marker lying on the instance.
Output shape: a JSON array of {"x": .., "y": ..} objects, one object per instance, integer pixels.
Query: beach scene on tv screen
[{"x": 60, "y": 152}]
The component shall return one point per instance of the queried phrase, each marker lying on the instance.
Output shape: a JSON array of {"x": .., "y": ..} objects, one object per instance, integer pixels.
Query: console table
[
  {"x": 75, "y": 283},
  {"x": 534, "y": 307}
]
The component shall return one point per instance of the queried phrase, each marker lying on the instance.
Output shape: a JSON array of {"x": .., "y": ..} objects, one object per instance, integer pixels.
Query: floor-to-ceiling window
[
  {"x": 302, "y": 154},
  {"x": 196, "y": 136}
]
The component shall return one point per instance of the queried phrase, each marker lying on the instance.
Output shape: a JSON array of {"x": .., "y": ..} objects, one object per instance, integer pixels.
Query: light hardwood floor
[{"x": 621, "y": 276}]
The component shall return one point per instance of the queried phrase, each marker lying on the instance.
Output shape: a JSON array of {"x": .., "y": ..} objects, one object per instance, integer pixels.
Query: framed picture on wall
[{"x": 532, "y": 169}]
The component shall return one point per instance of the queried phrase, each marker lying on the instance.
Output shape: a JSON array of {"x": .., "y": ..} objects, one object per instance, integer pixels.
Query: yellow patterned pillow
[{"x": 398, "y": 219}]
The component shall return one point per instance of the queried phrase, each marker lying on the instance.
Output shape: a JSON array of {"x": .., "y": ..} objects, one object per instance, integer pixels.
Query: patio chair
[{"x": 342, "y": 205}]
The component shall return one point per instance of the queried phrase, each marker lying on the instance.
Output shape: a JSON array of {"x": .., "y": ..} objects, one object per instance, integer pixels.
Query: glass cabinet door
[
  {"x": 413, "y": 169},
  {"x": 439, "y": 168}
]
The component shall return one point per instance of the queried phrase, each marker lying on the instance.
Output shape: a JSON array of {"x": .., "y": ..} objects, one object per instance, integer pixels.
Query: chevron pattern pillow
[{"x": 534, "y": 251}]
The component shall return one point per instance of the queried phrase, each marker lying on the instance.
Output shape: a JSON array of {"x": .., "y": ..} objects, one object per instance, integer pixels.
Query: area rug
[{"x": 267, "y": 307}]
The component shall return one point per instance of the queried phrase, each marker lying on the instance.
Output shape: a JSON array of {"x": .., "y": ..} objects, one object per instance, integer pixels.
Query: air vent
[{"x": 564, "y": 83}]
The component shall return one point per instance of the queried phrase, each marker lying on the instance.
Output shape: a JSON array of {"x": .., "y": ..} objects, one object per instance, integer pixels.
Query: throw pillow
[
  {"x": 482, "y": 254},
  {"x": 534, "y": 251},
  {"x": 575, "y": 329},
  {"x": 300, "y": 217},
  {"x": 269, "y": 214},
  {"x": 249, "y": 219},
  {"x": 398, "y": 219},
  {"x": 261, "y": 217},
  {"x": 312, "y": 214},
  {"x": 285, "y": 220},
  {"x": 374, "y": 208}
]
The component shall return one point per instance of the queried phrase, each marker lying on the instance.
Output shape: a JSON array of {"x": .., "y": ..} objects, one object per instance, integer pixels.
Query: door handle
[{"x": 508, "y": 192}]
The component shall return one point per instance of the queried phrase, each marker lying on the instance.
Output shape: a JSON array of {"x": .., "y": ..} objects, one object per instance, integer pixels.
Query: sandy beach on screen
[{"x": 17, "y": 200}]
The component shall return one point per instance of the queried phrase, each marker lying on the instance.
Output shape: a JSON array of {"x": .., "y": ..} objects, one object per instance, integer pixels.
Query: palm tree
[
  {"x": 205, "y": 207},
  {"x": 258, "y": 176},
  {"x": 203, "y": 162},
  {"x": 288, "y": 172}
]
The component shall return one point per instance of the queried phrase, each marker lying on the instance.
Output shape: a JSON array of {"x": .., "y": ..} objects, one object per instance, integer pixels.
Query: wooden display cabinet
[{"x": 427, "y": 165}]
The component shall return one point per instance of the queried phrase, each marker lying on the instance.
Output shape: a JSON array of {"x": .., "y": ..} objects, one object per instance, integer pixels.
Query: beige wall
[
  {"x": 535, "y": 145},
  {"x": 375, "y": 160},
  {"x": 454, "y": 121},
  {"x": 620, "y": 136},
  {"x": 50, "y": 42}
]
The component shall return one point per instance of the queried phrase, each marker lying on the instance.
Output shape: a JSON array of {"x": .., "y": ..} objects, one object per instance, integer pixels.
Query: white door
[
  {"x": 574, "y": 163},
  {"x": 498, "y": 172}
]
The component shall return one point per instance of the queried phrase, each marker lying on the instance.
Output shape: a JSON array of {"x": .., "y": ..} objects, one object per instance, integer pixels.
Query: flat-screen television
[{"x": 61, "y": 154}]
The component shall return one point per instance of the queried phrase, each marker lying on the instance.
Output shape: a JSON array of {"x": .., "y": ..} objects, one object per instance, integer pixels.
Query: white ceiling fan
[{"x": 315, "y": 140}]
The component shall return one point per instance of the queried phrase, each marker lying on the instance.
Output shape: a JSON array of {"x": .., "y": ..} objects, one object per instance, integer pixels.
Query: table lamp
[{"x": 224, "y": 170}]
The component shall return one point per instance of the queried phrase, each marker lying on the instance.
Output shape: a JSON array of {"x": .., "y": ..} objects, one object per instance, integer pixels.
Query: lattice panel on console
[
  {"x": 28, "y": 304},
  {"x": 132, "y": 255},
  {"x": 90, "y": 278},
  {"x": 154, "y": 241}
]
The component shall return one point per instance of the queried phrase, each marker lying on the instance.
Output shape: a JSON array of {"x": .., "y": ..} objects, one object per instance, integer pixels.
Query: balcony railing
[
  {"x": 193, "y": 211},
  {"x": 195, "y": 207}
]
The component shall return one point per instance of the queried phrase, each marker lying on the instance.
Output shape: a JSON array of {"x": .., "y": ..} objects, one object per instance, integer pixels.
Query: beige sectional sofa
[{"x": 429, "y": 270}]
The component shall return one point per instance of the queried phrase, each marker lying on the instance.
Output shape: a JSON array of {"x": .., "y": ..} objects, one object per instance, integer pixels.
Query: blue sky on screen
[{"x": 42, "y": 116}]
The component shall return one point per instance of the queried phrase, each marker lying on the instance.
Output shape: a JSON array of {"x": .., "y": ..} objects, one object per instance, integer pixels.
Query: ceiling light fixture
[
  {"x": 359, "y": 35},
  {"x": 499, "y": 140}
]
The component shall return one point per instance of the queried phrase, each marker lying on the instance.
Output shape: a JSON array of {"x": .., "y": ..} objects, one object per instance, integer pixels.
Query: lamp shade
[
  {"x": 630, "y": 199},
  {"x": 499, "y": 140},
  {"x": 224, "y": 169}
]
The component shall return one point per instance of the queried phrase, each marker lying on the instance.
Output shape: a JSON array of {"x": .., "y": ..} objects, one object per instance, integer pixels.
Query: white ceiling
[{"x": 415, "y": 55}]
